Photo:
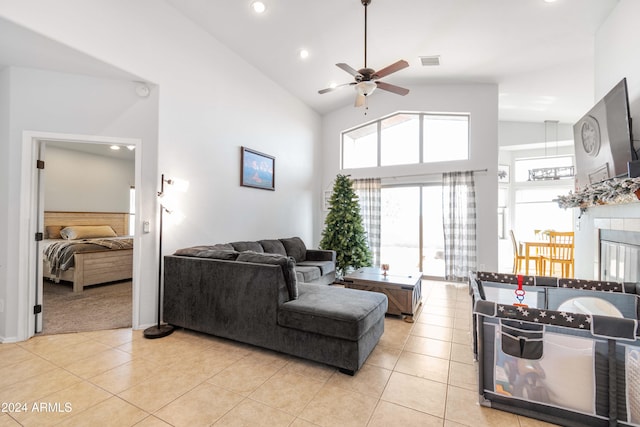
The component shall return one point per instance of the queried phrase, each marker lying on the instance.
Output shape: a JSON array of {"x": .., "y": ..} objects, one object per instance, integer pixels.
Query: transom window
[{"x": 407, "y": 138}]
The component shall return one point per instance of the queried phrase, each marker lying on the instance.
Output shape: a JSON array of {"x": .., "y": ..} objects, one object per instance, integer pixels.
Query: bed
[{"x": 91, "y": 260}]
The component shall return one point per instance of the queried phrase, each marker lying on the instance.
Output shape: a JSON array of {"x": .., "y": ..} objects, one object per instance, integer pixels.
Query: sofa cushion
[
  {"x": 295, "y": 248},
  {"x": 273, "y": 247},
  {"x": 325, "y": 267},
  {"x": 208, "y": 253},
  {"x": 247, "y": 246},
  {"x": 286, "y": 263},
  {"x": 307, "y": 274},
  {"x": 332, "y": 311}
]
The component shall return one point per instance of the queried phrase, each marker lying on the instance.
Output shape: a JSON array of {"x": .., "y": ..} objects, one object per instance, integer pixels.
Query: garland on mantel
[{"x": 612, "y": 191}]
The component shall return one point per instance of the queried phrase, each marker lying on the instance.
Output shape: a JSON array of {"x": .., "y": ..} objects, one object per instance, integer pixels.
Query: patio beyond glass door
[
  {"x": 432, "y": 232},
  {"x": 411, "y": 229}
]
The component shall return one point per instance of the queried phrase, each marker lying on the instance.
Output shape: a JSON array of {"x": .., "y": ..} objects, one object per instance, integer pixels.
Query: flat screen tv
[{"x": 602, "y": 138}]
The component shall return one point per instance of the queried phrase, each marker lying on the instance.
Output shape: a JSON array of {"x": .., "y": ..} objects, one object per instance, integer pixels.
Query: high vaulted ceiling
[{"x": 540, "y": 54}]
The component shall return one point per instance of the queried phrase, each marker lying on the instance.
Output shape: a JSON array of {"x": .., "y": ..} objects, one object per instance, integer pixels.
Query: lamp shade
[
  {"x": 366, "y": 88},
  {"x": 178, "y": 184}
]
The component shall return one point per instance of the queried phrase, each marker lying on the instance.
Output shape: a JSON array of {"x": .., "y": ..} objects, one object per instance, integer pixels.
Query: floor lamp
[{"x": 160, "y": 330}]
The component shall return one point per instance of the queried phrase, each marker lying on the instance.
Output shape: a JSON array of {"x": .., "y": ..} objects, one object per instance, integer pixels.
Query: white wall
[
  {"x": 480, "y": 101},
  {"x": 518, "y": 133},
  {"x": 77, "y": 181},
  {"x": 4, "y": 189},
  {"x": 616, "y": 56},
  {"x": 62, "y": 103},
  {"x": 211, "y": 102}
]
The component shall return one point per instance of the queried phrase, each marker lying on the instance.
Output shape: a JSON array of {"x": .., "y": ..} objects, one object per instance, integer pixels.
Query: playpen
[{"x": 565, "y": 351}]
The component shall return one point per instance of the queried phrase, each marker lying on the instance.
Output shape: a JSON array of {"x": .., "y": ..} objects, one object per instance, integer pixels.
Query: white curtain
[
  {"x": 459, "y": 223},
  {"x": 369, "y": 192}
]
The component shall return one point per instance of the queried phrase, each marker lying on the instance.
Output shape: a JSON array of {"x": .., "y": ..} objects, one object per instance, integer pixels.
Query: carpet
[{"x": 98, "y": 307}]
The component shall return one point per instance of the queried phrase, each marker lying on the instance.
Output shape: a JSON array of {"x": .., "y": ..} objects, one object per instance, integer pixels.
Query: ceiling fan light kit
[
  {"x": 366, "y": 88},
  {"x": 366, "y": 80}
]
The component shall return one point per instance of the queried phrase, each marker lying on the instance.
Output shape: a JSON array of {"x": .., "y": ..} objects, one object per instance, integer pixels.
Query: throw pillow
[
  {"x": 205, "y": 252},
  {"x": 194, "y": 250},
  {"x": 295, "y": 248},
  {"x": 247, "y": 246},
  {"x": 273, "y": 247},
  {"x": 286, "y": 263}
]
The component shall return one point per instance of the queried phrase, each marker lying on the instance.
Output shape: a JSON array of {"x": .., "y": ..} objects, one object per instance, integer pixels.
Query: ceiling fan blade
[
  {"x": 331, "y": 89},
  {"x": 348, "y": 69},
  {"x": 392, "y": 88},
  {"x": 397, "y": 66},
  {"x": 360, "y": 100}
]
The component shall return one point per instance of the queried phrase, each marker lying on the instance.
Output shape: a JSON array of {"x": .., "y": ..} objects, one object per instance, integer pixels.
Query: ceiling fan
[{"x": 367, "y": 79}]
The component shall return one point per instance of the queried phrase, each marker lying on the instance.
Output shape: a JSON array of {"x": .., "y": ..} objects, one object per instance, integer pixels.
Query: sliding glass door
[
  {"x": 400, "y": 228},
  {"x": 411, "y": 229},
  {"x": 432, "y": 232}
]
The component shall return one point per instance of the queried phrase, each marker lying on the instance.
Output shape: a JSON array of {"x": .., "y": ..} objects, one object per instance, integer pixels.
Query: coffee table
[{"x": 403, "y": 291}]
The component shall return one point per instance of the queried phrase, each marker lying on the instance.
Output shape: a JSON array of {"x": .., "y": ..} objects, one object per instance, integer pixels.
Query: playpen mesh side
[{"x": 632, "y": 378}]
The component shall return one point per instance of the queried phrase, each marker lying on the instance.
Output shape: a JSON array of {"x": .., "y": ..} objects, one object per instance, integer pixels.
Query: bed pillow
[
  {"x": 53, "y": 231},
  {"x": 87, "y": 232}
]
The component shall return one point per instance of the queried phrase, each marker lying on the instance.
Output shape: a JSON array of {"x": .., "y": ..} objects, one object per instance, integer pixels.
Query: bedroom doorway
[{"x": 102, "y": 306}]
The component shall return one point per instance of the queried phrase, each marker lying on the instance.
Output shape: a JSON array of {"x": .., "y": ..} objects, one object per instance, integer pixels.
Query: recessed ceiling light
[
  {"x": 258, "y": 7},
  {"x": 549, "y": 1},
  {"x": 304, "y": 53},
  {"x": 131, "y": 147},
  {"x": 115, "y": 147}
]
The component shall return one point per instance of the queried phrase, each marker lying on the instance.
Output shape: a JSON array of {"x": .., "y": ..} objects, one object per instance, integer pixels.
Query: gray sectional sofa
[
  {"x": 256, "y": 298},
  {"x": 313, "y": 266}
]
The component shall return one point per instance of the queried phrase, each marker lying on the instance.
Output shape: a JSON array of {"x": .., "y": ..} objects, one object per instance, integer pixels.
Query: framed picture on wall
[
  {"x": 503, "y": 173},
  {"x": 257, "y": 169}
]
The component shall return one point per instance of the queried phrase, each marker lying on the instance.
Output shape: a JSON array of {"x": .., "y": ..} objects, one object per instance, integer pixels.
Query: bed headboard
[{"x": 117, "y": 220}]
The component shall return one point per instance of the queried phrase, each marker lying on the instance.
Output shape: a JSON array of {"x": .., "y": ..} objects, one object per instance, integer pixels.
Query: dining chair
[
  {"x": 544, "y": 252},
  {"x": 519, "y": 257},
  {"x": 561, "y": 253}
]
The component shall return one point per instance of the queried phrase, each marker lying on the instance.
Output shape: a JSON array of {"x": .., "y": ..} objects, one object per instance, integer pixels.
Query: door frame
[{"x": 30, "y": 285}]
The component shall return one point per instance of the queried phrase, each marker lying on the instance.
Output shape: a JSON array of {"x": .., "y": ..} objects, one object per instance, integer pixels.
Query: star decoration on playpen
[{"x": 548, "y": 317}]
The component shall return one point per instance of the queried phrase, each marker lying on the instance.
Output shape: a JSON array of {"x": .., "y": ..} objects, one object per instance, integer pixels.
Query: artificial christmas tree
[{"x": 344, "y": 232}]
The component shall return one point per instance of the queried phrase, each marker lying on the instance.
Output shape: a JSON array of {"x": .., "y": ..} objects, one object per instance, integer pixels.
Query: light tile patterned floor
[{"x": 420, "y": 374}]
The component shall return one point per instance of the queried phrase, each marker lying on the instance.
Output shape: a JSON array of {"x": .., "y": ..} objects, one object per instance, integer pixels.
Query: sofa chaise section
[{"x": 251, "y": 302}]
